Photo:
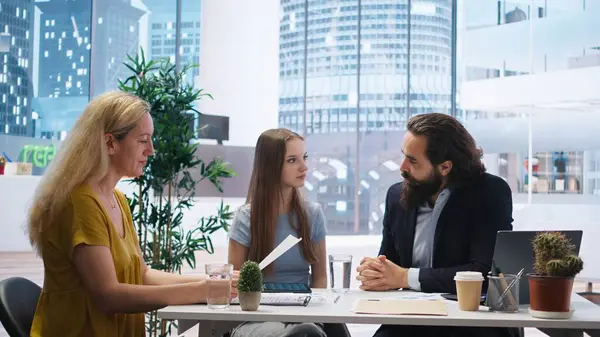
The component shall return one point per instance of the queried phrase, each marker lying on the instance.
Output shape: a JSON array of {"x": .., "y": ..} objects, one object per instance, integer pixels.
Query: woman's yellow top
[{"x": 65, "y": 307}]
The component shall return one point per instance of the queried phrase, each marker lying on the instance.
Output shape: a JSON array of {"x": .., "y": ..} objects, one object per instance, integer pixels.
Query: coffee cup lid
[{"x": 468, "y": 276}]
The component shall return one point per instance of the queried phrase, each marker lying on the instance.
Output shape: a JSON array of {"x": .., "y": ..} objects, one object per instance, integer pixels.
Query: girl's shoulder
[
  {"x": 243, "y": 212},
  {"x": 312, "y": 208},
  {"x": 245, "y": 208}
]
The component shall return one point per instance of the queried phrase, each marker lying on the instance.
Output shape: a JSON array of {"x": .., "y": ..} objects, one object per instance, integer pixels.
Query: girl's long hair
[{"x": 264, "y": 195}]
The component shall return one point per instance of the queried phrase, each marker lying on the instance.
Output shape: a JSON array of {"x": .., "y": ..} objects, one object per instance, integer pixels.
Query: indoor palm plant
[
  {"x": 556, "y": 265},
  {"x": 167, "y": 187},
  {"x": 250, "y": 286}
]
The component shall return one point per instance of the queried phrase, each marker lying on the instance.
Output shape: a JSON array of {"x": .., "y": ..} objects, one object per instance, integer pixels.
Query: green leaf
[
  {"x": 251, "y": 279},
  {"x": 157, "y": 211}
]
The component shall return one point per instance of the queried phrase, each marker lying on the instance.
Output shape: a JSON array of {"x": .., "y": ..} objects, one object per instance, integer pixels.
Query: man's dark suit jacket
[
  {"x": 464, "y": 240},
  {"x": 464, "y": 237}
]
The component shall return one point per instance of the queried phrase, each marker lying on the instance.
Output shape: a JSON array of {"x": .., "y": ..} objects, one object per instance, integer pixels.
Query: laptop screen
[{"x": 514, "y": 251}]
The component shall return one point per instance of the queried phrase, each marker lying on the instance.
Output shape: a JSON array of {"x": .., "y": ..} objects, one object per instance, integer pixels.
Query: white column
[{"x": 239, "y": 65}]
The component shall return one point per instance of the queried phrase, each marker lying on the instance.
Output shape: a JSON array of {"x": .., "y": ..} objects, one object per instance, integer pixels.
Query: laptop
[{"x": 514, "y": 251}]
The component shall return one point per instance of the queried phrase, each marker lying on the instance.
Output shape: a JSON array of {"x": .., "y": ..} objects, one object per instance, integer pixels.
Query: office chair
[
  {"x": 18, "y": 300},
  {"x": 336, "y": 330}
]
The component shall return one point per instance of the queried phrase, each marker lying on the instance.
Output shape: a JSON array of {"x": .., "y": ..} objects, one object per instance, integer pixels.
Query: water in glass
[
  {"x": 339, "y": 272},
  {"x": 219, "y": 285}
]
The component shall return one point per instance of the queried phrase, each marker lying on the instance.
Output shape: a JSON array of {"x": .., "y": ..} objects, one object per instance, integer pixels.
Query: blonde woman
[{"x": 95, "y": 280}]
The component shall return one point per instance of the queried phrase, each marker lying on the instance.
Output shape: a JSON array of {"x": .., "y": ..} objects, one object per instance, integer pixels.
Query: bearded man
[{"x": 443, "y": 218}]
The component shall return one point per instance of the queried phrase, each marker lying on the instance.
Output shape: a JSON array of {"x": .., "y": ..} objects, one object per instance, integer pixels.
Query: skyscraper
[
  {"x": 351, "y": 74},
  {"x": 16, "y": 48},
  {"x": 162, "y": 32},
  {"x": 117, "y": 35},
  {"x": 389, "y": 59},
  {"x": 65, "y": 43},
  {"x": 65, "y": 56},
  {"x": 66, "y": 28}
]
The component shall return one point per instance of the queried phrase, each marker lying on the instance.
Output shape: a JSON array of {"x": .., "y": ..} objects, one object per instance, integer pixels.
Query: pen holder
[{"x": 503, "y": 293}]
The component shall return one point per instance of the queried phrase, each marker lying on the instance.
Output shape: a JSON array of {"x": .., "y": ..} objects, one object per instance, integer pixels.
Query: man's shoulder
[
  {"x": 393, "y": 196},
  {"x": 487, "y": 183},
  {"x": 485, "y": 187},
  {"x": 490, "y": 183},
  {"x": 394, "y": 191}
]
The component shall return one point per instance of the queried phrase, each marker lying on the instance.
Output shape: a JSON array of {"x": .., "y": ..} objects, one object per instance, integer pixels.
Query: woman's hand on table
[{"x": 234, "y": 283}]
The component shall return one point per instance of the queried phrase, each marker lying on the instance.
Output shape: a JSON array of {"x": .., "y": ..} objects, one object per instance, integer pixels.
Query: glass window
[
  {"x": 121, "y": 29},
  {"x": 51, "y": 72},
  {"x": 348, "y": 149},
  {"x": 349, "y": 79},
  {"x": 530, "y": 102}
]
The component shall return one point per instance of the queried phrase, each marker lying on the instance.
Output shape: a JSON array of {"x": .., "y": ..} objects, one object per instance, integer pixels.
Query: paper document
[
  {"x": 414, "y": 295},
  {"x": 283, "y": 247},
  {"x": 401, "y": 307},
  {"x": 281, "y": 299},
  {"x": 324, "y": 298}
]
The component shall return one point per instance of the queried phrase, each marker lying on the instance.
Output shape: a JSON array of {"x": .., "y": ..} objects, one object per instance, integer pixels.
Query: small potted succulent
[
  {"x": 250, "y": 285},
  {"x": 556, "y": 266}
]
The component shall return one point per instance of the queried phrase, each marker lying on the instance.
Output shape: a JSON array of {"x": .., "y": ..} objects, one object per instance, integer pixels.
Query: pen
[
  {"x": 336, "y": 299},
  {"x": 508, "y": 288},
  {"x": 495, "y": 271}
]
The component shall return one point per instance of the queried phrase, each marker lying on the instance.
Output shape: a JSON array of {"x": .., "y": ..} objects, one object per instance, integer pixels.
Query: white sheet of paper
[
  {"x": 283, "y": 247},
  {"x": 278, "y": 299}
]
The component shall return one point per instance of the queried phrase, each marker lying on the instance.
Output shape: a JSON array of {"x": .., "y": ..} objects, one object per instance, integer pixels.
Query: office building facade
[
  {"x": 16, "y": 62},
  {"x": 360, "y": 73},
  {"x": 66, "y": 59},
  {"x": 161, "y": 34}
]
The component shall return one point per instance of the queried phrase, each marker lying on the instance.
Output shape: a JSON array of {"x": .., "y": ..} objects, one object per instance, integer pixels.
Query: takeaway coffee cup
[{"x": 468, "y": 289}]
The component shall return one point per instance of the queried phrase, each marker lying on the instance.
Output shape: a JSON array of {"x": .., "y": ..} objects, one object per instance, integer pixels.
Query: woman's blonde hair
[{"x": 82, "y": 156}]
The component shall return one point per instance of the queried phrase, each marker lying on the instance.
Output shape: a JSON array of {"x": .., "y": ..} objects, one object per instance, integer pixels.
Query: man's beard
[{"x": 416, "y": 193}]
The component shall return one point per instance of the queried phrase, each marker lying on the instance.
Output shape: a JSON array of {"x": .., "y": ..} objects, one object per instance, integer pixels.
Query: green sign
[{"x": 38, "y": 155}]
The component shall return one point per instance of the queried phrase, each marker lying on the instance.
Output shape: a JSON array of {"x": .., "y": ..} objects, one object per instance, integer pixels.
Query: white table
[{"x": 586, "y": 316}]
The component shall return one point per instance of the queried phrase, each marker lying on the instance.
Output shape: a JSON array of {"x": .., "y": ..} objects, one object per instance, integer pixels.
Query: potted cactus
[
  {"x": 250, "y": 286},
  {"x": 555, "y": 268}
]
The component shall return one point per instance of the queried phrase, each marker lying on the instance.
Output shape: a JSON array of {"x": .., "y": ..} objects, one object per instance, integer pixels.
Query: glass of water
[
  {"x": 339, "y": 272},
  {"x": 219, "y": 285}
]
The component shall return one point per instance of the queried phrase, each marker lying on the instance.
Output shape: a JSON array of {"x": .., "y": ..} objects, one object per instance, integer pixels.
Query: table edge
[{"x": 379, "y": 320}]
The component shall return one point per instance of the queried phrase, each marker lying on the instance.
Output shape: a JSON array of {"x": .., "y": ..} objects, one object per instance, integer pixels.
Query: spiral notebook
[{"x": 278, "y": 299}]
